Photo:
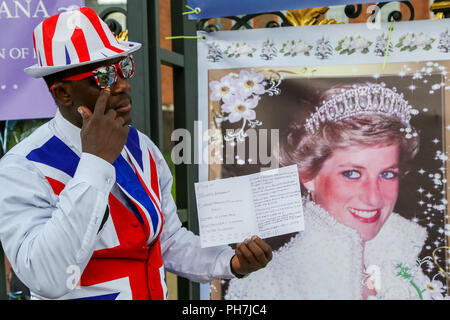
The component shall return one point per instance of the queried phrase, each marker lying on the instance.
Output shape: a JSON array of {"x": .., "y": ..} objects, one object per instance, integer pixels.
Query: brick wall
[{"x": 165, "y": 27}]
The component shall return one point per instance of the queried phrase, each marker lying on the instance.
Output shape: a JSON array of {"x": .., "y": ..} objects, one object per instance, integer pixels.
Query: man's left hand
[{"x": 251, "y": 255}]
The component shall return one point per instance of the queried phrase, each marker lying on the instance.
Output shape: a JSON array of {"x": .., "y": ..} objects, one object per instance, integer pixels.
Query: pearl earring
[{"x": 308, "y": 196}]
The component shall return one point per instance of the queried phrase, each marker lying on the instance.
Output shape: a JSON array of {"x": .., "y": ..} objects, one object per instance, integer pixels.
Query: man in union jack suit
[{"x": 86, "y": 210}]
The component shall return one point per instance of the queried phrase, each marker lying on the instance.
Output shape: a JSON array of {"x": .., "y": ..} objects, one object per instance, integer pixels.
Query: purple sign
[{"x": 22, "y": 97}]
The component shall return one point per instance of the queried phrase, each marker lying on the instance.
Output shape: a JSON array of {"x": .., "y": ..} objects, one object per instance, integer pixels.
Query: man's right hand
[{"x": 103, "y": 134}]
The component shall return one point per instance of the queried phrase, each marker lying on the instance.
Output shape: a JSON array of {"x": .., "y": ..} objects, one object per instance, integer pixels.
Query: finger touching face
[{"x": 86, "y": 93}]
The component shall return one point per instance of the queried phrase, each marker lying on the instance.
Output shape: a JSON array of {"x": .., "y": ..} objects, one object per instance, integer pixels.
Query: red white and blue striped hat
[{"x": 73, "y": 39}]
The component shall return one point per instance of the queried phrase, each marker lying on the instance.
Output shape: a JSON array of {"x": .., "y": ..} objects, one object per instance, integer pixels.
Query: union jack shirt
[{"x": 76, "y": 227}]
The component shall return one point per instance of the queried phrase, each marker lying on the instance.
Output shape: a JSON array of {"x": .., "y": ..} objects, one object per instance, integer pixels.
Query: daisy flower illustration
[
  {"x": 250, "y": 83},
  {"x": 240, "y": 108},
  {"x": 223, "y": 89}
]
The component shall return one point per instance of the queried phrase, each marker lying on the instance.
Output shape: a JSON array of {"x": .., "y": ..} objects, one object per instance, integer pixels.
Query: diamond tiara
[{"x": 370, "y": 98}]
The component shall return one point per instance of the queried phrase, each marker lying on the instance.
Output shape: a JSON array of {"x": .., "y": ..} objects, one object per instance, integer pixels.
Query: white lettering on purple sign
[
  {"x": 14, "y": 53},
  {"x": 23, "y": 9}
]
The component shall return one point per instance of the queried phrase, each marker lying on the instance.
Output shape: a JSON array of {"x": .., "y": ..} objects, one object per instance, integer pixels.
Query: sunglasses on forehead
[{"x": 106, "y": 76}]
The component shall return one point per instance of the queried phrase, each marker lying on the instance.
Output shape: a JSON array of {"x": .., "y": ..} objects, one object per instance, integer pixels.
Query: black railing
[{"x": 351, "y": 12}]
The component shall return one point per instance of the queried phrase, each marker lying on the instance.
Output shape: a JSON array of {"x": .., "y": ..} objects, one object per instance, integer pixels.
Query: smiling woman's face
[{"x": 358, "y": 186}]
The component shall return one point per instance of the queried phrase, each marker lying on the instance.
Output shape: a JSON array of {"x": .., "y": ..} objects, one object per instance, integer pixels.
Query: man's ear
[{"x": 62, "y": 93}]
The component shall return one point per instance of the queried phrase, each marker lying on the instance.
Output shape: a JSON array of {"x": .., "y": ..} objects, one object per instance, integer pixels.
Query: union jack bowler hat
[{"x": 73, "y": 39}]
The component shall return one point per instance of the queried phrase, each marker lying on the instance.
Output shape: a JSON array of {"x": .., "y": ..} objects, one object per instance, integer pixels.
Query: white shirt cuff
[{"x": 223, "y": 263}]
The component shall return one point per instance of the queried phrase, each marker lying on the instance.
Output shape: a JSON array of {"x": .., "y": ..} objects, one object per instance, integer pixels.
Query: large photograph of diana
[{"x": 371, "y": 151}]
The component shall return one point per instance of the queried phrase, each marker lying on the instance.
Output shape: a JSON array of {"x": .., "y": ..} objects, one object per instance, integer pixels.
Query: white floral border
[
  {"x": 338, "y": 44},
  {"x": 303, "y": 46},
  {"x": 328, "y": 44}
]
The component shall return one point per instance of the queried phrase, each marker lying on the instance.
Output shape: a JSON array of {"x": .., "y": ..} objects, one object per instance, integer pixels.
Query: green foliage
[{"x": 17, "y": 130}]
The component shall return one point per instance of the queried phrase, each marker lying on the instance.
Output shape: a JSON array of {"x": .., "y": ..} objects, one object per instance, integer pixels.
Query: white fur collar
[{"x": 325, "y": 261}]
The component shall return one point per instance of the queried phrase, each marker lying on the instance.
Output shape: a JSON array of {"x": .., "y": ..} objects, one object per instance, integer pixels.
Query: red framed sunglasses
[{"x": 106, "y": 76}]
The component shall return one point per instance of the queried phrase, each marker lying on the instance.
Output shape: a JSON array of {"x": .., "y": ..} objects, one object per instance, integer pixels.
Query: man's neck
[{"x": 72, "y": 117}]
